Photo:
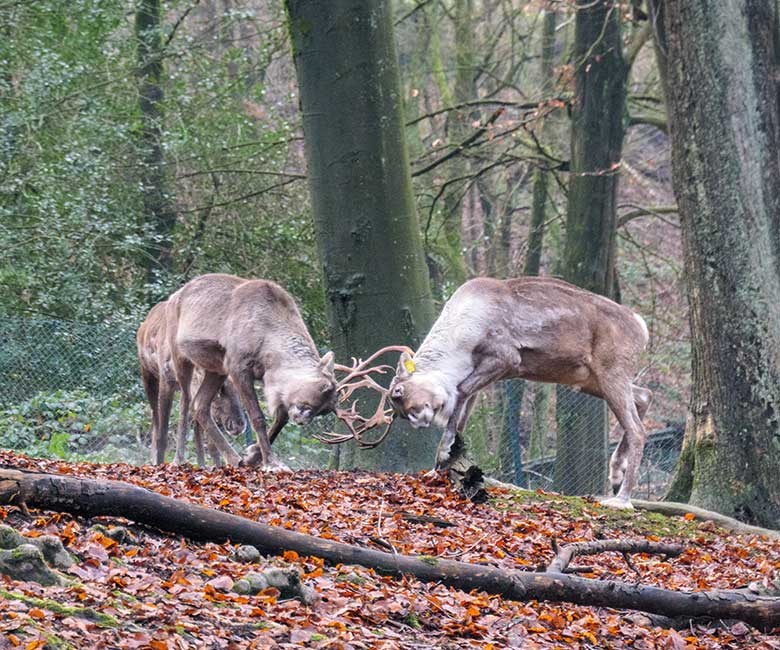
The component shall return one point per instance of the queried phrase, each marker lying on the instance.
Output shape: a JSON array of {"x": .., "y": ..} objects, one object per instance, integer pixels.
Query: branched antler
[{"x": 358, "y": 375}]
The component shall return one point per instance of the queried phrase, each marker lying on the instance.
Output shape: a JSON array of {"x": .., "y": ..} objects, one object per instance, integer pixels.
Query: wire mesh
[
  {"x": 73, "y": 391},
  {"x": 556, "y": 439}
]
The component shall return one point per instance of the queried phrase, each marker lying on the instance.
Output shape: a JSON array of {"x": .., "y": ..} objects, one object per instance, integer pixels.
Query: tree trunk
[
  {"x": 367, "y": 231},
  {"x": 92, "y": 498},
  {"x": 512, "y": 432},
  {"x": 513, "y": 429},
  {"x": 589, "y": 254},
  {"x": 724, "y": 118},
  {"x": 533, "y": 260},
  {"x": 458, "y": 129},
  {"x": 537, "y": 437},
  {"x": 158, "y": 210}
]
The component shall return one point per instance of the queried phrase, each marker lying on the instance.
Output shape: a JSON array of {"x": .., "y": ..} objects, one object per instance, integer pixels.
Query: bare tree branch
[
  {"x": 659, "y": 123},
  {"x": 459, "y": 148},
  {"x": 566, "y": 553},
  {"x": 641, "y": 211}
]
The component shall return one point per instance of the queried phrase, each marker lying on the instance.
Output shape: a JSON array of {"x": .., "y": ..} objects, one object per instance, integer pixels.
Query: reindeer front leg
[
  {"x": 260, "y": 452},
  {"x": 452, "y": 431},
  {"x": 488, "y": 370},
  {"x": 253, "y": 454},
  {"x": 452, "y": 437},
  {"x": 280, "y": 419}
]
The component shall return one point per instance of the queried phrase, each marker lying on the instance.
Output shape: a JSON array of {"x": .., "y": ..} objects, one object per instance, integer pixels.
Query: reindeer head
[
  {"x": 309, "y": 393},
  {"x": 418, "y": 396},
  {"x": 227, "y": 411},
  {"x": 358, "y": 376}
]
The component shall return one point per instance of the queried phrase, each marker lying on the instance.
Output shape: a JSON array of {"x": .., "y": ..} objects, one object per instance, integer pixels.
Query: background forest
[{"x": 144, "y": 143}]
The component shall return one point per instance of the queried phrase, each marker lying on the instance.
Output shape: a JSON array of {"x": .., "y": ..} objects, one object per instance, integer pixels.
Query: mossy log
[{"x": 89, "y": 498}]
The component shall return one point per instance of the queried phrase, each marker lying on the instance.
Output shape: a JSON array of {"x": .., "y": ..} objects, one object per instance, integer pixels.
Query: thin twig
[{"x": 568, "y": 552}]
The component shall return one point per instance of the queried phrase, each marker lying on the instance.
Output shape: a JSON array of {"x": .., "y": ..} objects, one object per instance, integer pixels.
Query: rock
[
  {"x": 221, "y": 583},
  {"x": 246, "y": 554},
  {"x": 288, "y": 582},
  {"x": 309, "y": 596},
  {"x": 120, "y": 535},
  {"x": 54, "y": 551},
  {"x": 51, "y": 547},
  {"x": 25, "y": 562},
  {"x": 257, "y": 582},
  {"x": 242, "y": 587},
  {"x": 353, "y": 577},
  {"x": 9, "y": 538}
]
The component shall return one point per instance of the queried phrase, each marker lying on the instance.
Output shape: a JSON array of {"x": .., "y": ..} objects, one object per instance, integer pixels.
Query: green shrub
[{"x": 74, "y": 425}]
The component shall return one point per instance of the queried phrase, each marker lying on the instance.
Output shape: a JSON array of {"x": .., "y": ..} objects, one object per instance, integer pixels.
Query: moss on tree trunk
[
  {"x": 159, "y": 213},
  {"x": 377, "y": 285}
]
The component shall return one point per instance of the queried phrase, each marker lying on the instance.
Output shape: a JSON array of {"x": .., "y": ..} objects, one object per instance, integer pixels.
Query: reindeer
[
  {"x": 541, "y": 329},
  {"x": 247, "y": 330},
  {"x": 160, "y": 385}
]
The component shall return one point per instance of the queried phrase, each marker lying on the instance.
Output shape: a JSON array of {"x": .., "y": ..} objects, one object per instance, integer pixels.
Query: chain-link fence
[
  {"x": 557, "y": 439},
  {"x": 73, "y": 391}
]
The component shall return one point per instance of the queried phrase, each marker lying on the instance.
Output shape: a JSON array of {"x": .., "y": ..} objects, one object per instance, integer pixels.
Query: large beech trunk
[
  {"x": 723, "y": 97},
  {"x": 376, "y": 279},
  {"x": 89, "y": 498}
]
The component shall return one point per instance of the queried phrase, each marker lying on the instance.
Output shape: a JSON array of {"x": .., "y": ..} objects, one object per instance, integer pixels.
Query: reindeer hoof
[
  {"x": 443, "y": 459},
  {"x": 617, "y": 502}
]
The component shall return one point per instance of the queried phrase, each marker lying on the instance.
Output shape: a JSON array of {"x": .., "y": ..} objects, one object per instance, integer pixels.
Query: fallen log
[
  {"x": 672, "y": 508},
  {"x": 90, "y": 498}
]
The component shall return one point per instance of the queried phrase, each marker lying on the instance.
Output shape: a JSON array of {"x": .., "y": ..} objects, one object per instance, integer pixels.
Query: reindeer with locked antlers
[
  {"x": 540, "y": 329},
  {"x": 358, "y": 376},
  {"x": 249, "y": 330}
]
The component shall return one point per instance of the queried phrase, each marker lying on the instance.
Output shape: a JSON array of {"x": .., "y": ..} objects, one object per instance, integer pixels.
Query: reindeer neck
[
  {"x": 297, "y": 351},
  {"x": 440, "y": 356},
  {"x": 301, "y": 349}
]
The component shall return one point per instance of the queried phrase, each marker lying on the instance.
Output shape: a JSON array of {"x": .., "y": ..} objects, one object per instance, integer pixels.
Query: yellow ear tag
[{"x": 409, "y": 365}]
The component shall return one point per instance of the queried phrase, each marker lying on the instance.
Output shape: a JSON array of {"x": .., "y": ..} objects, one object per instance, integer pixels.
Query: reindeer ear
[
  {"x": 328, "y": 363},
  {"x": 405, "y": 366}
]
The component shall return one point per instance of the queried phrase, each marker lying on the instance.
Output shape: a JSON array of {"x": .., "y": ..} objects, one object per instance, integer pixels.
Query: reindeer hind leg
[
  {"x": 151, "y": 389},
  {"x": 618, "y": 463},
  {"x": 164, "y": 403},
  {"x": 624, "y": 465},
  {"x": 184, "y": 371}
]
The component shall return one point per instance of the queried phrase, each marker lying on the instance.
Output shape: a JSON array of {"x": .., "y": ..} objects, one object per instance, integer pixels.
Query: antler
[{"x": 359, "y": 376}]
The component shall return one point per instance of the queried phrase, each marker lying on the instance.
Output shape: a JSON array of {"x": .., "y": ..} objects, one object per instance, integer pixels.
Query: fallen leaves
[{"x": 173, "y": 594}]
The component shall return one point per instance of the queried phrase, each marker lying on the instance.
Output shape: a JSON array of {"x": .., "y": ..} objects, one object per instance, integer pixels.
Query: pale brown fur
[
  {"x": 248, "y": 330},
  {"x": 541, "y": 329},
  {"x": 160, "y": 385}
]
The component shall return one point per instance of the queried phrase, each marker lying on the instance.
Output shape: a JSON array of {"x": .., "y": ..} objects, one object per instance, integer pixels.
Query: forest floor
[{"x": 161, "y": 592}]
